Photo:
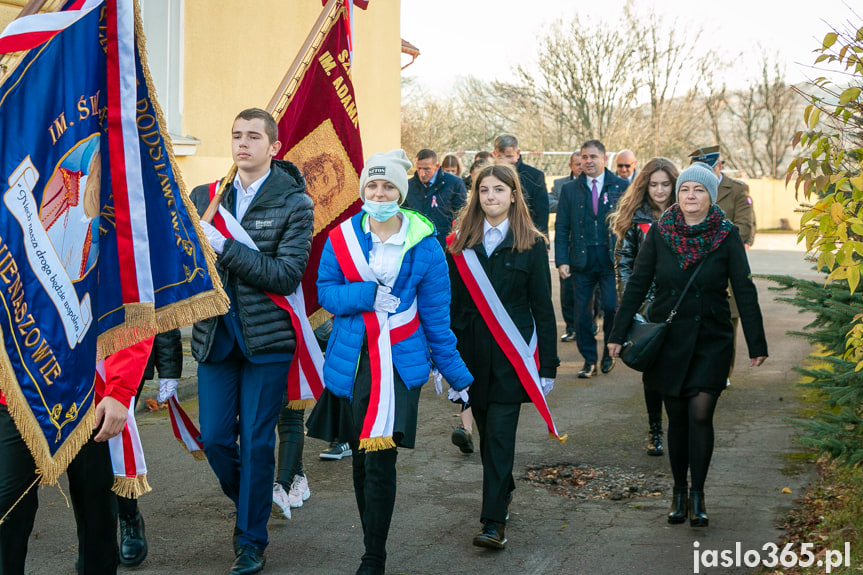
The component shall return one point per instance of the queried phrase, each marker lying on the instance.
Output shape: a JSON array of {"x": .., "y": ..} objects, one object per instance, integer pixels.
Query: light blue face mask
[{"x": 381, "y": 211}]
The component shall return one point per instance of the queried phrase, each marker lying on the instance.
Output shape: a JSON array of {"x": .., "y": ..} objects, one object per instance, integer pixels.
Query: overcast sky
[{"x": 487, "y": 38}]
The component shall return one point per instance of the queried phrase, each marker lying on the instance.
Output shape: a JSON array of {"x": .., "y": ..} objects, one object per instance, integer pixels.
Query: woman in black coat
[
  {"x": 497, "y": 227},
  {"x": 650, "y": 194},
  {"x": 691, "y": 368}
]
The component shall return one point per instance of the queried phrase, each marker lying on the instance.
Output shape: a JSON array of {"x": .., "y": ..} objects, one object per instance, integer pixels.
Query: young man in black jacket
[
  {"x": 244, "y": 355},
  {"x": 435, "y": 194}
]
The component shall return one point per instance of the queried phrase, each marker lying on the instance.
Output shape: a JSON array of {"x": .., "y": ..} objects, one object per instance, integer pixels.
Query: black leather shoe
[
  {"x": 607, "y": 364},
  {"x": 679, "y": 507},
  {"x": 133, "y": 541},
  {"x": 568, "y": 336},
  {"x": 461, "y": 438},
  {"x": 697, "y": 510},
  {"x": 491, "y": 536},
  {"x": 249, "y": 560},
  {"x": 588, "y": 370}
]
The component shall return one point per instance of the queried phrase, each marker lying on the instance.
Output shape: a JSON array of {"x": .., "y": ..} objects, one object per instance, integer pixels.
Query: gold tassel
[
  {"x": 198, "y": 454},
  {"x": 131, "y": 487},
  {"x": 562, "y": 439},
  {"x": 301, "y": 403},
  {"x": 376, "y": 443}
]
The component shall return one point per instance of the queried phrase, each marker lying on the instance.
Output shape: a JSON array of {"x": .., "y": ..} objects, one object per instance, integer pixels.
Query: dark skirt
[{"x": 337, "y": 418}]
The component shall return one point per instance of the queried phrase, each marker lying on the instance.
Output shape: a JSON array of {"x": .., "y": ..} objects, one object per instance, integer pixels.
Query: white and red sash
[
  {"x": 306, "y": 374},
  {"x": 523, "y": 356},
  {"x": 383, "y": 331},
  {"x": 127, "y": 454},
  {"x": 184, "y": 429}
]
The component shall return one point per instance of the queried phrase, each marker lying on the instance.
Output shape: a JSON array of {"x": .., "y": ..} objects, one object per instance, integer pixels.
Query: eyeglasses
[{"x": 624, "y": 165}]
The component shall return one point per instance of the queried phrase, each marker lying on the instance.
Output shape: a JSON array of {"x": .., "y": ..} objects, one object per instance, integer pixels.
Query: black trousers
[
  {"x": 497, "y": 424},
  {"x": 375, "y": 491},
  {"x": 599, "y": 272},
  {"x": 90, "y": 482},
  {"x": 291, "y": 441}
]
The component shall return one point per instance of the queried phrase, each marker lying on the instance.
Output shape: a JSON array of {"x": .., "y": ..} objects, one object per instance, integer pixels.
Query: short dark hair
[
  {"x": 594, "y": 144},
  {"x": 425, "y": 154},
  {"x": 270, "y": 126},
  {"x": 484, "y": 155},
  {"x": 505, "y": 141}
]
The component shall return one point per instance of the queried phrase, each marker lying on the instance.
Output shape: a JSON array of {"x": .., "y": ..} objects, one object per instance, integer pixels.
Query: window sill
[{"x": 185, "y": 145}]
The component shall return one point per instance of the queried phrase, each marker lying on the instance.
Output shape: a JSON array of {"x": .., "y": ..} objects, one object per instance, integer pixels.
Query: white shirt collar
[
  {"x": 397, "y": 238},
  {"x": 489, "y": 241},
  {"x": 253, "y": 187},
  {"x": 600, "y": 180}
]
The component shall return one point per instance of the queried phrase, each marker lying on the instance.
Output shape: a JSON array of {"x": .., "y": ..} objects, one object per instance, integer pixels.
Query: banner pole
[{"x": 286, "y": 90}]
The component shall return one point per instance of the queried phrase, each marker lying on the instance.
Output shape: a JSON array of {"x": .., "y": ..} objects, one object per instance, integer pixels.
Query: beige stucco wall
[
  {"x": 237, "y": 52},
  {"x": 773, "y": 202}
]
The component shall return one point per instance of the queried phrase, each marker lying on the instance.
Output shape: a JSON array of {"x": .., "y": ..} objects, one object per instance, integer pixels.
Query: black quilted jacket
[{"x": 280, "y": 220}]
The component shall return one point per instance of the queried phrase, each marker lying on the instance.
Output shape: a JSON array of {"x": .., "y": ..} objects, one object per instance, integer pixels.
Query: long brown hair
[
  {"x": 470, "y": 221},
  {"x": 636, "y": 194}
]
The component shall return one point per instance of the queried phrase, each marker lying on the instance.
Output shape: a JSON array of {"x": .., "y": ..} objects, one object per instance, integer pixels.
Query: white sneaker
[
  {"x": 299, "y": 491},
  {"x": 281, "y": 502}
]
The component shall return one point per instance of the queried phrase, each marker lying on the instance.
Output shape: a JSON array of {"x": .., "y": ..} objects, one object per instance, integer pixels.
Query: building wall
[
  {"x": 229, "y": 68},
  {"x": 773, "y": 203}
]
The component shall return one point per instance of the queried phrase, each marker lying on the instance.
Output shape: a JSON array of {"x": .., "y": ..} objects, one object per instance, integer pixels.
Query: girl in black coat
[
  {"x": 692, "y": 365},
  {"x": 514, "y": 256},
  {"x": 650, "y": 194}
]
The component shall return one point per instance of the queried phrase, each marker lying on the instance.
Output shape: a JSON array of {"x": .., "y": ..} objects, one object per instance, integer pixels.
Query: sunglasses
[{"x": 624, "y": 165}]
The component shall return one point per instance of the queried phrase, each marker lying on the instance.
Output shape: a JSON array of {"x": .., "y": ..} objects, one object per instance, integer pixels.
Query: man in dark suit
[
  {"x": 584, "y": 248},
  {"x": 567, "y": 289},
  {"x": 626, "y": 165},
  {"x": 532, "y": 180},
  {"x": 436, "y": 194}
]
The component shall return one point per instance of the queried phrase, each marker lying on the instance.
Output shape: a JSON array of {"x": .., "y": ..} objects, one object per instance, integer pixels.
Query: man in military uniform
[{"x": 733, "y": 197}]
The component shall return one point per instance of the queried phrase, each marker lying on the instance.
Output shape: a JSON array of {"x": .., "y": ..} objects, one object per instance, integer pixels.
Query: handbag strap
[{"x": 673, "y": 311}]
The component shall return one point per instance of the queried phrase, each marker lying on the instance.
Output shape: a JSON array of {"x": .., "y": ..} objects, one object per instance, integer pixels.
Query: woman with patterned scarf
[{"x": 690, "y": 369}]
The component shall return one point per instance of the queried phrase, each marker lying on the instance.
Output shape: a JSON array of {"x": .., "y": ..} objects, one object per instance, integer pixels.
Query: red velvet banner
[{"x": 320, "y": 134}]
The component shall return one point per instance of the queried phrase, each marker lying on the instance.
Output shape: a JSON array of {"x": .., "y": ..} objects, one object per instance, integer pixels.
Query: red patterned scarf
[{"x": 693, "y": 243}]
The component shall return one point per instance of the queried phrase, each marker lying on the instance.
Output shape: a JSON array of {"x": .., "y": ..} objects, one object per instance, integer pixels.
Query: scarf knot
[{"x": 693, "y": 243}]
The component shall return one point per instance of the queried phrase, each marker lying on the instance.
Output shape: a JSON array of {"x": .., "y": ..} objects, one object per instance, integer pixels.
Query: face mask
[{"x": 381, "y": 211}]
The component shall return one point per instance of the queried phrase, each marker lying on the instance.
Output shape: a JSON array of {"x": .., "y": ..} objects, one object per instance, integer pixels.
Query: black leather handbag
[{"x": 644, "y": 339}]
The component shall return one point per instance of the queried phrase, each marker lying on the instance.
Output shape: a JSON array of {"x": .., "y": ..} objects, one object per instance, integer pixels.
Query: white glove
[
  {"x": 547, "y": 385},
  {"x": 214, "y": 236},
  {"x": 385, "y": 301},
  {"x": 438, "y": 381},
  {"x": 454, "y": 395},
  {"x": 167, "y": 389}
]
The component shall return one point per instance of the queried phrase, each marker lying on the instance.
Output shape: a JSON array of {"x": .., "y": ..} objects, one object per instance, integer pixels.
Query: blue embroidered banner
[{"x": 59, "y": 259}]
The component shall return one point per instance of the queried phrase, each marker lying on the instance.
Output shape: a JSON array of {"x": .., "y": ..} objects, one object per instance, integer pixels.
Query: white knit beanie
[{"x": 392, "y": 166}]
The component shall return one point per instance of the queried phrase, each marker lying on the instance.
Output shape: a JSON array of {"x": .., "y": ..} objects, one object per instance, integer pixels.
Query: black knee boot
[{"x": 654, "y": 435}]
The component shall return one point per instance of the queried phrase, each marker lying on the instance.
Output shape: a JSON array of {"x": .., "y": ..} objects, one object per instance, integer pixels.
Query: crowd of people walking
[{"x": 443, "y": 271}]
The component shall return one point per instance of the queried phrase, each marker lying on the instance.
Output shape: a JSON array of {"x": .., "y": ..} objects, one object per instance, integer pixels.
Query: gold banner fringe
[
  {"x": 377, "y": 443},
  {"x": 301, "y": 404},
  {"x": 131, "y": 487},
  {"x": 319, "y": 318}
]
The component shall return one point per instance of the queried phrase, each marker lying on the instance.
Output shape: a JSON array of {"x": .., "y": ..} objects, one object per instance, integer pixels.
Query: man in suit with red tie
[{"x": 584, "y": 248}]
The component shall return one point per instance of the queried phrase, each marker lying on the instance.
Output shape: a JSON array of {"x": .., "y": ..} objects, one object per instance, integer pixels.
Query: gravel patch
[{"x": 597, "y": 482}]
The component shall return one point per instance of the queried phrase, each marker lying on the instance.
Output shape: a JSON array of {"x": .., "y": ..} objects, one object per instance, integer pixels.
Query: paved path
[{"x": 189, "y": 520}]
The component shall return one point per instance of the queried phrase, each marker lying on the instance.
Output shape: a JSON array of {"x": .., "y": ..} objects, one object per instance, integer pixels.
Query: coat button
[
  {"x": 674, "y": 292},
  {"x": 698, "y": 294},
  {"x": 698, "y": 318}
]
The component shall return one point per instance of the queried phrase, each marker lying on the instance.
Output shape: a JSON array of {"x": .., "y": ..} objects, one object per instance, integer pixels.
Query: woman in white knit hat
[
  {"x": 692, "y": 238},
  {"x": 384, "y": 278}
]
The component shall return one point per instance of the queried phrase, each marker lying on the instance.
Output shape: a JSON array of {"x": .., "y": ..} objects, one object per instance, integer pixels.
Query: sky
[{"x": 487, "y": 38}]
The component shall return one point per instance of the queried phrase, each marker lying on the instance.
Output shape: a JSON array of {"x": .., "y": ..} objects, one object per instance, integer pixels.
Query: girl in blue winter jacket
[{"x": 384, "y": 278}]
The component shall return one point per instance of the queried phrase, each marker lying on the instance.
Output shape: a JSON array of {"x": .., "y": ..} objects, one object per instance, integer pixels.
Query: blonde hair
[
  {"x": 470, "y": 221},
  {"x": 636, "y": 194}
]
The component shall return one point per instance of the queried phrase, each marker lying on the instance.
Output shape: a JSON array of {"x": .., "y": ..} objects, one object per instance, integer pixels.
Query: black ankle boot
[
  {"x": 679, "y": 509},
  {"x": 697, "y": 509},
  {"x": 654, "y": 436}
]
